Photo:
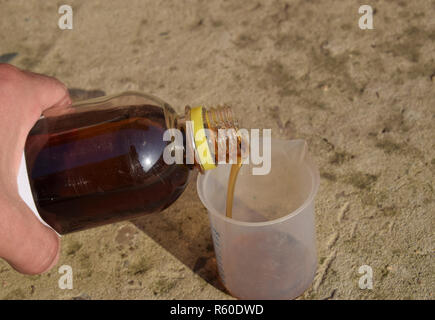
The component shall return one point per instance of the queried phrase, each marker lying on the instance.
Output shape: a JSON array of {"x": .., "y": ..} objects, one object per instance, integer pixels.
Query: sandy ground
[{"x": 363, "y": 99}]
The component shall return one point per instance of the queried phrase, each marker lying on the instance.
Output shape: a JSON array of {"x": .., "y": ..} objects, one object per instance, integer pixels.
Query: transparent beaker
[{"x": 268, "y": 249}]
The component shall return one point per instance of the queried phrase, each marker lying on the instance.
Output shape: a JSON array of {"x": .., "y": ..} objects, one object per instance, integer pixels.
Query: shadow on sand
[{"x": 183, "y": 229}]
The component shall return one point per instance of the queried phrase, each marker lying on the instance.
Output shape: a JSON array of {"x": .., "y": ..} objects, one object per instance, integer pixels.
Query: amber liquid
[
  {"x": 92, "y": 168},
  {"x": 235, "y": 168}
]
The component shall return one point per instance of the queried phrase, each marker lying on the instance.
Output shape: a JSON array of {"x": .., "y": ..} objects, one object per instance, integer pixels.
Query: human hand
[{"x": 25, "y": 243}]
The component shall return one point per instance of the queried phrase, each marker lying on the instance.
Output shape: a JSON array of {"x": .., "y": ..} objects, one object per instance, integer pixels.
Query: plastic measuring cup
[{"x": 268, "y": 249}]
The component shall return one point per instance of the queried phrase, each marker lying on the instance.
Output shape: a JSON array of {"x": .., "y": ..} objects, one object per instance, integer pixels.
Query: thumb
[{"x": 26, "y": 244}]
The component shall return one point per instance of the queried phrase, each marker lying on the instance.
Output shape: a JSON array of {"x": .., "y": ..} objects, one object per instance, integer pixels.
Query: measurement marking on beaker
[{"x": 218, "y": 253}]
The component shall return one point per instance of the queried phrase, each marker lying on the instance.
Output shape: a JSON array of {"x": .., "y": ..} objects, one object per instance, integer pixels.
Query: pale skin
[{"x": 25, "y": 243}]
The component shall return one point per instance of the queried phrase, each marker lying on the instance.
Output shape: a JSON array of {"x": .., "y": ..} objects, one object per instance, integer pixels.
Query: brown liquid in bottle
[{"x": 97, "y": 167}]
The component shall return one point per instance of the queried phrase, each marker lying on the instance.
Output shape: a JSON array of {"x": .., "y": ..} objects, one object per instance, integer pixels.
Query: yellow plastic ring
[{"x": 201, "y": 144}]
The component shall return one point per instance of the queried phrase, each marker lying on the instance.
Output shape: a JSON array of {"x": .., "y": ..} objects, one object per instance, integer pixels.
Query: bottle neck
[{"x": 211, "y": 135}]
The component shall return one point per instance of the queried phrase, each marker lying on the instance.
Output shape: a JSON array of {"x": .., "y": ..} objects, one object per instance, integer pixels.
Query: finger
[
  {"x": 49, "y": 91},
  {"x": 26, "y": 244},
  {"x": 24, "y": 95}
]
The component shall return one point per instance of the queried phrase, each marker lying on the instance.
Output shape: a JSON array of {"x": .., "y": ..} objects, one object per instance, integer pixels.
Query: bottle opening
[{"x": 214, "y": 136}]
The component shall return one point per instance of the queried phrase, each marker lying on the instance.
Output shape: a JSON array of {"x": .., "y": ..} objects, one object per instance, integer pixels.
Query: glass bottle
[{"x": 101, "y": 160}]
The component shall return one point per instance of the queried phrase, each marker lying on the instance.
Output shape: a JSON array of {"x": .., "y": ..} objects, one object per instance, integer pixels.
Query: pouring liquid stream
[{"x": 235, "y": 168}]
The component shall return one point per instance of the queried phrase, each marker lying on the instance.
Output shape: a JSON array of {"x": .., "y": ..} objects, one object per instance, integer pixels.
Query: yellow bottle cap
[{"x": 200, "y": 138}]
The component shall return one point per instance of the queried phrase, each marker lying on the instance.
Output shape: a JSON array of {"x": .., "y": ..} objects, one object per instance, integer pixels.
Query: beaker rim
[{"x": 315, "y": 182}]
